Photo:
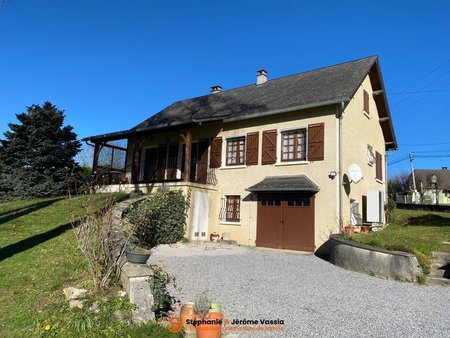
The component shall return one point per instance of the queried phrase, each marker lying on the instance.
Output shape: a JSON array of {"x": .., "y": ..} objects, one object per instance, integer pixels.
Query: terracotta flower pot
[
  {"x": 365, "y": 229},
  {"x": 349, "y": 230},
  {"x": 212, "y": 329},
  {"x": 187, "y": 312}
]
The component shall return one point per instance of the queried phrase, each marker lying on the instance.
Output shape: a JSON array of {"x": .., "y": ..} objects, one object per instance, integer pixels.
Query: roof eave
[{"x": 287, "y": 110}]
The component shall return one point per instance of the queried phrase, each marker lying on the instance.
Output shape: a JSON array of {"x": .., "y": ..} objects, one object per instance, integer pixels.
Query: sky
[{"x": 111, "y": 64}]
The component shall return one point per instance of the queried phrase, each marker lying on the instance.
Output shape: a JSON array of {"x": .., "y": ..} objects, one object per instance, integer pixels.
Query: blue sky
[{"x": 111, "y": 64}]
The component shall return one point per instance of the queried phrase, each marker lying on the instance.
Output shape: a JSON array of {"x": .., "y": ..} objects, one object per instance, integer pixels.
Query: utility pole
[{"x": 413, "y": 176}]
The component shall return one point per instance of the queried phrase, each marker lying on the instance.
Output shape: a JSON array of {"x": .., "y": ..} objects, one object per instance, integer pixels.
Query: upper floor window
[
  {"x": 293, "y": 145},
  {"x": 236, "y": 151},
  {"x": 366, "y": 102}
]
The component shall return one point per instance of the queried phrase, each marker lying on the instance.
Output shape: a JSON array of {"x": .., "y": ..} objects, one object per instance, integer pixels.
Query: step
[
  {"x": 438, "y": 281},
  {"x": 439, "y": 273},
  {"x": 440, "y": 257}
]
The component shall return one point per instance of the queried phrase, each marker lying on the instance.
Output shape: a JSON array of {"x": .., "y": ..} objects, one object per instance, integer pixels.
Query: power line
[
  {"x": 420, "y": 99},
  {"x": 422, "y": 91},
  {"x": 426, "y": 75},
  {"x": 422, "y": 144}
]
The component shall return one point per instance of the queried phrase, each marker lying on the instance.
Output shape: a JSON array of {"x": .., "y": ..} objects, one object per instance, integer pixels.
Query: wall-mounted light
[{"x": 332, "y": 174}]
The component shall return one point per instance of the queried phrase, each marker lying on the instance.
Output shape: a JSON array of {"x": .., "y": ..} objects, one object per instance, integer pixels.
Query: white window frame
[
  {"x": 279, "y": 161},
  {"x": 224, "y": 153}
]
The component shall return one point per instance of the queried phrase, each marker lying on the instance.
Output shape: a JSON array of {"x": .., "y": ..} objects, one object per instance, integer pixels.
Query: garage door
[{"x": 285, "y": 221}]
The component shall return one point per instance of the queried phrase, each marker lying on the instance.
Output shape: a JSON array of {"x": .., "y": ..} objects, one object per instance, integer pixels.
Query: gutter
[{"x": 339, "y": 115}]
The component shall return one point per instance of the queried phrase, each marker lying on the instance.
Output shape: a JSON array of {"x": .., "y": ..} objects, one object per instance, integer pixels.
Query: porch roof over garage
[{"x": 285, "y": 184}]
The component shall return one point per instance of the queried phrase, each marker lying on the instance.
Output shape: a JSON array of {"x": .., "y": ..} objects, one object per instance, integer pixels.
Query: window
[
  {"x": 366, "y": 102},
  {"x": 231, "y": 209},
  {"x": 293, "y": 145},
  {"x": 273, "y": 201},
  {"x": 370, "y": 155},
  {"x": 299, "y": 202},
  {"x": 235, "y": 151}
]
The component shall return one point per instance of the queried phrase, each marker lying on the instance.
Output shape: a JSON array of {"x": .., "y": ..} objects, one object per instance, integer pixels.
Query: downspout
[{"x": 339, "y": 115}]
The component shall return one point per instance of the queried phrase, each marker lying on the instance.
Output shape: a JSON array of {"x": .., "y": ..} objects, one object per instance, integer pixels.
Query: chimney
[
  {"x": 261, "y": 76},
  {"x": 216, "y": 89}
]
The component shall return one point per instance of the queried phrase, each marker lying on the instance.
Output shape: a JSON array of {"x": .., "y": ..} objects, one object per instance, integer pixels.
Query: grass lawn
[
  {"x": 39, "y": 256},
  {"x": 415, "y": 231}
]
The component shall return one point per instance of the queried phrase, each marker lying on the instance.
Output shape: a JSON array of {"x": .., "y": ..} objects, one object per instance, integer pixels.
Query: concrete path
[{"x": 312, "y": 297}]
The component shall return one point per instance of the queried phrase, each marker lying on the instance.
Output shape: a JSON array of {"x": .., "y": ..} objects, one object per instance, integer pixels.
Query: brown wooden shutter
[
  {"x": 216, "y": 153},
  {"x": 269, "y": 147},
  {"x": 316, "y": 142},
  {"x": 366, "y": 102},
  {"x": 251, "y": 151},
  {"x": 379, "y": 166}
]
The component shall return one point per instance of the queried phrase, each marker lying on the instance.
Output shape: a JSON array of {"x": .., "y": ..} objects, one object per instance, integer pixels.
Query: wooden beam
[
  {"x": 136, "y": 165},
  {"x": 187, "y": 137},
  {"x": 377, "y": 92},
  {"x": 95, "y": 161},
  {"x": 384, "y": 119}
]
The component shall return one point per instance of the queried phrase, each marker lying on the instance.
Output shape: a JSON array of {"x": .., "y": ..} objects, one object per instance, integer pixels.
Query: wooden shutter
[
  {"x": 316, "y": 142},
  {"x": 251, "y": 151},
  {"x": 269, "y": 147},
  {"x": 216, "y": 153},
  {"x": 366, "y": 102},
  {"x": 379, "y": 166}
]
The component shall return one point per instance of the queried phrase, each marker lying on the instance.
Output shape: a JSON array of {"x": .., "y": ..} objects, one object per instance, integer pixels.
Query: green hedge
[{"x": 159, "y": 219}]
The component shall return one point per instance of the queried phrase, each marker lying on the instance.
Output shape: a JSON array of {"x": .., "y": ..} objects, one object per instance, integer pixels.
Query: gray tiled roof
[
  {"x": 285, "y": 184},
  {"x": 320, "y": 87},
  {"x": 423, "y": 178},
  {"x": 323, "y": 86}
]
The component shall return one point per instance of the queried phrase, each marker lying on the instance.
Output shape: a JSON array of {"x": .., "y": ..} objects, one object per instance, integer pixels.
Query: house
[
  {"x": 268, "y": 163},
  {"x": 433, "y": 186}
]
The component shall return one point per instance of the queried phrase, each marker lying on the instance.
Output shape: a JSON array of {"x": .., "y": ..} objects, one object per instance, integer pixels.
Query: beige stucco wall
[
  {"x": 359, "y": 130},
  {"x": 235, "y": 180}
]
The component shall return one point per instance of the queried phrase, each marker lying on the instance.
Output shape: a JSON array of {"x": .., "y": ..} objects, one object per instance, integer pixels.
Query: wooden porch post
[
  {"x": 187, "y": 136},
  {"x": 136, "y": 164},
  {"x": 95, "y": 161}
]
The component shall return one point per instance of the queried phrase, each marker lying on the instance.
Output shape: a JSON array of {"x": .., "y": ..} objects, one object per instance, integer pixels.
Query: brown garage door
[{"x": 286, "y": 221}]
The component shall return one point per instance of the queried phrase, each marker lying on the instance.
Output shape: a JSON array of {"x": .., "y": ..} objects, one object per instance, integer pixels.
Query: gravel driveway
[{"x": 311, "y": 296}]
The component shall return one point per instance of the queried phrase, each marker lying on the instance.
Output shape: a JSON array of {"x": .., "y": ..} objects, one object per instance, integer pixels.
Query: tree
[
  {"x": 37, "y": 156},
  {"x": 398, "y": 183}
]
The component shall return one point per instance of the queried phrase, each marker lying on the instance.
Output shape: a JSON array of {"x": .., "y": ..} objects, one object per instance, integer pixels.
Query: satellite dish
[{"x": 355, "y": 172}]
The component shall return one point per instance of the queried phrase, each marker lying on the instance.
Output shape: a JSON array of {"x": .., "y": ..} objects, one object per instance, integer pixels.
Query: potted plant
[
  {"x": 365, "y": 229},
  {"x": 349, "y": 230},
  {"x": 137, "y": 254},
  {"x": 208, "y": 321},
  {"x": 135, "y": 250}
]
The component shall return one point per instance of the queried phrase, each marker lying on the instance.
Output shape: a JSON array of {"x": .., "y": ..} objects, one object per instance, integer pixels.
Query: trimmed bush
[
  {"x": 391, "y": 207},
  {"x": 159, "y": 219}
]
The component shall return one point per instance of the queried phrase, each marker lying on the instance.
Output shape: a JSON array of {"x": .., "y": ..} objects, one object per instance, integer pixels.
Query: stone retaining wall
[
  {"x": 134, "y": 277},
  {"x": 367, "y": 259}
]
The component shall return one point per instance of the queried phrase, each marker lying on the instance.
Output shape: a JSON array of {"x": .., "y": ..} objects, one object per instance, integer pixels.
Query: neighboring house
[
  {"x": 265, "y": 162},
  {"x": 433, "y": 186}
]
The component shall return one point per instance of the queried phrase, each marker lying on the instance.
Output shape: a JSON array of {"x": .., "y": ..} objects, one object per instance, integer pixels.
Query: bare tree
[{"x": 398, "y": 183}]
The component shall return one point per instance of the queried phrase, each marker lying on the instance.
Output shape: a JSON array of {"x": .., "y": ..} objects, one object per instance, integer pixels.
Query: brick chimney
[
  {"x": 216, "y": 89},
  {"x": 261, "y": 76}
]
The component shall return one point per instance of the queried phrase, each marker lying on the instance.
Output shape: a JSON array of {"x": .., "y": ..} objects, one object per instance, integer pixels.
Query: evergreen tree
[{"x": 37, "y": 156}]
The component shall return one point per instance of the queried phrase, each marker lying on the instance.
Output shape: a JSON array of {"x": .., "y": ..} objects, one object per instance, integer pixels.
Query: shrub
[
  {"x": 391, "y": 207},
  {"x": 162, "y": 300},
  {"x": 159, "y": 219}
]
